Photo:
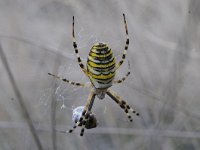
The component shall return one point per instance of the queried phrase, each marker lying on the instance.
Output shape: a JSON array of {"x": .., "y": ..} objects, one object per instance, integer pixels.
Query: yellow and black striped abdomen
[{"x": 101, "y": 66}]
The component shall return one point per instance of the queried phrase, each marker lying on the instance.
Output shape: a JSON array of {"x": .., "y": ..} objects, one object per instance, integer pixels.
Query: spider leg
[
  {"x": 121, "y": 103},
  {"x": 85, "y": 115},
  {"x": 126, "y": 46},
  {"x": 68, "y": 81},
  {"x": 124, "y": 78},
  {"x": 76, "y": 50}
]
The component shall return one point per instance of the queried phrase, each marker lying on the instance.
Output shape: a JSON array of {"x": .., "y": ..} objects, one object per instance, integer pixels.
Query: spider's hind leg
[
  {"x": 125, "y": 77},
  {"x": 122, "y": 104},
  {"x": 76, "y": 50},
  {"x": 126, "y": 45}
]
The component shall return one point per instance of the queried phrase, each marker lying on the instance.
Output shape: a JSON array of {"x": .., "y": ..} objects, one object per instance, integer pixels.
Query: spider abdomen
[{"x": 101, "y": 66}]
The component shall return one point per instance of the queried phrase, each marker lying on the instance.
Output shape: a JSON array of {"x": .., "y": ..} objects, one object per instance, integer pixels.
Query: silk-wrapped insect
[{"x": 90, "y": 123}]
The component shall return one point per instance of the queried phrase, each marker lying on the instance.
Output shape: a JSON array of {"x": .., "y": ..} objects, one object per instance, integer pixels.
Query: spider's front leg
[
  {"x": 68, "y": 81},
  {"x": 121, "y": 103},
  {"x": 85, "y": 114}
]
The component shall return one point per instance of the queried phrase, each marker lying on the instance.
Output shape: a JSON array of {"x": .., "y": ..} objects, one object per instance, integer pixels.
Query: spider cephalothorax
[
  {"x": 100, "y": 93},
  {"x": 101, "y": 69}
]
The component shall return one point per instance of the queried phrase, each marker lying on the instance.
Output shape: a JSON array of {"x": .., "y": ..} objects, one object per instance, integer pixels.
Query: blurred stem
[
  {"x": 53, "y": 122},
  {"x": 20, "y": 99}
]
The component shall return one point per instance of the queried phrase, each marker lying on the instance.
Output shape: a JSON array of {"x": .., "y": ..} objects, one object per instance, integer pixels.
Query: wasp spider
[{"x": 101, "y": 68}]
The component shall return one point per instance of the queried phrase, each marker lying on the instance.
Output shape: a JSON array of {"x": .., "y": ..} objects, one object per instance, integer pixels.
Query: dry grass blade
[{"x": 20, "y": 99}]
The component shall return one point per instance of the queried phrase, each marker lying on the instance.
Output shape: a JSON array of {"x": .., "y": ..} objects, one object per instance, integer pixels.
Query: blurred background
[{"x": 164, "y": 85}]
